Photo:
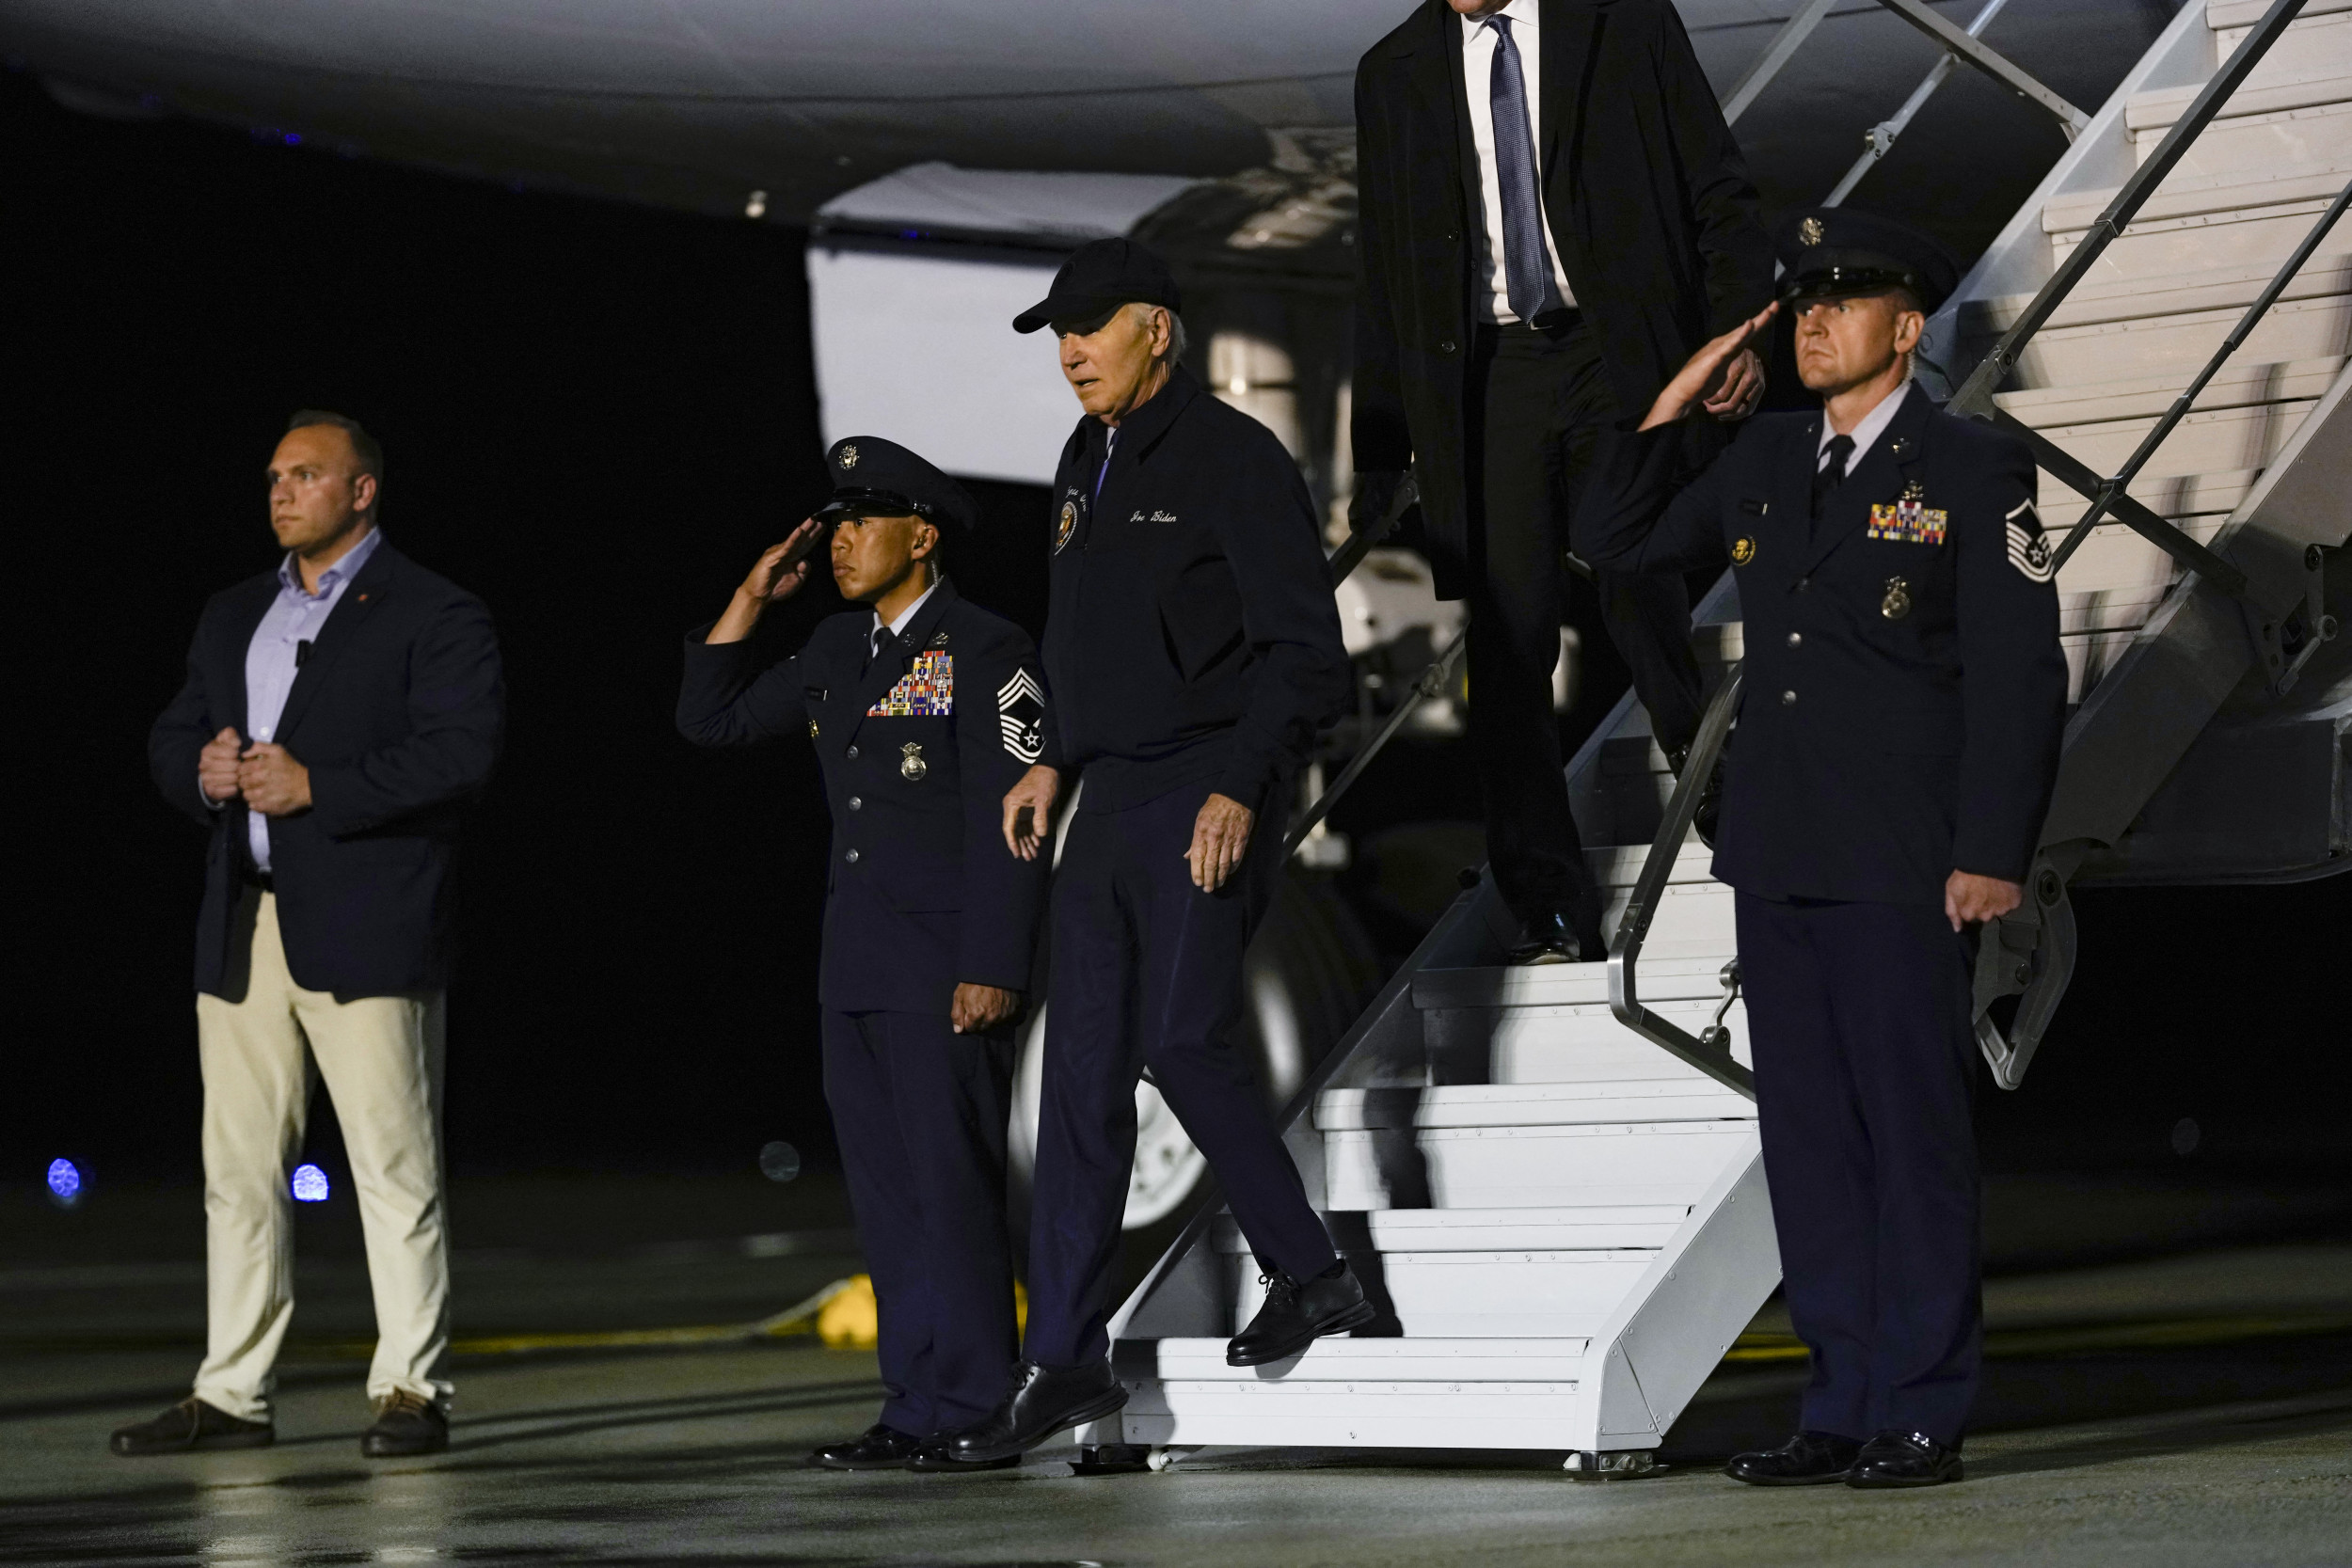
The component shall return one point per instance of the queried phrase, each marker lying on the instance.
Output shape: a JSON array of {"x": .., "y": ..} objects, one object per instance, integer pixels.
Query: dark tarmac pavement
[{"x": 2182, "y": 1398}]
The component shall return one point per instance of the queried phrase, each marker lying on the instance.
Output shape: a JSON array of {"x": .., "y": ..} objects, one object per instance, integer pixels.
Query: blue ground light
[
  {"x": 65, "y": 1182},
  {"x": 310, "y": 1185}
]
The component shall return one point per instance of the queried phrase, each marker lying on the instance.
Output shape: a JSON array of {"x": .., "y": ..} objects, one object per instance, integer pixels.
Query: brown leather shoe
[
  {"x": 190, "y": 1427},
  {"x": 405, "y": 1426}
]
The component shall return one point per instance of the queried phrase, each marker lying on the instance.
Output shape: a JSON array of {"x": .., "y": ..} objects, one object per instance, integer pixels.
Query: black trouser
[
  {"x": 1148, "y": 970},
  {"x": 1539, "y": 401},
  {"x": 921, "y": 1112},
  {"x": 1865, "y": 1079}
]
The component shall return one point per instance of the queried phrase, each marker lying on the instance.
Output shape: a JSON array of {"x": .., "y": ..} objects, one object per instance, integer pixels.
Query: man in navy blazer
[{"x": 339, "y": 714}]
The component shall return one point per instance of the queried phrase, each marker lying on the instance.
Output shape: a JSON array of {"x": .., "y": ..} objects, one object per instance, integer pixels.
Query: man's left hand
[
  {"x": 1970, "y": 898},
  {"x": 1742, "y": 387},
  {"x": 977, "y": 1009},
  {"x": 1220, "y": 836},
  {"x": 272, "y": 781}
]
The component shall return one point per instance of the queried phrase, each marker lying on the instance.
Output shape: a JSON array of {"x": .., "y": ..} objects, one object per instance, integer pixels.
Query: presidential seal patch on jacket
[
  {"x": 1067, "y": 523},
  {"x": 925, "y": 692}
]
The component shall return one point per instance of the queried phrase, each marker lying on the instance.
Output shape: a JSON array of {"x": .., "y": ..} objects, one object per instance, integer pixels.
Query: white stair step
[
  {"x": 2286, "y": 137},
  {"x": 1539, "y": 1167},
  {"x": 2301, "y": 72},
  {"x": 2180, "y": 497},
  {"x": 1589, "y": 1228},
  {"x": 1619, "y": 865},
  {"x": 2178, "y": 344},
  {"x": 2313, "y": 43},
  {"x": 1563, "y": 985},
  {"x": 2067, "y": 218},
  {"x": 2231, "y": 19},
  {"x": 1546, "y": 1359},
  {"x": 2146, "y": 301},
  {"x": 2239, "y": 383},
  {"x": 2254, "y": 235},
  {"x": 2213, "y": 441},
  {"x": 1369, "y": 1414},
  {"x": 1503, "y": 1295},
  {"x": 2108, "y": 610},
  {"x": 1677, "y": 1099},
  {"x": 2117, "y": 561},
  {"x": 1593, "y": 1047}
]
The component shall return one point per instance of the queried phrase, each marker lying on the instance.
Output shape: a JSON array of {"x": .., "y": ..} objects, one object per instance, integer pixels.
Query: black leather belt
[{"x": 261, "y": 880}]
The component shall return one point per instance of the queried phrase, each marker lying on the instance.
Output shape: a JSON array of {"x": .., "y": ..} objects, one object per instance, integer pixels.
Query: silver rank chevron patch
[
  {"x": 1021, "y": 716},
  {"x": 2028, "y": 547}
]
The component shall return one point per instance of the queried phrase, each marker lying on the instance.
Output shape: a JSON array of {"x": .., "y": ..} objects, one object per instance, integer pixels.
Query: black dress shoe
[
  {"x": 878, "y": 1448},
  {"x": 1547, "y": 939},
  {"x": 936, "y": 1457},
  {"x": 1298, "y": 1312},
  {"x": 1904, "y": 1459},
  {"x": 1808, "y": 1459},
  {"x": 405, "y": 1426},
  {"x": 189, "y": 1427},
  {"x": 1044, "y": 1400}
]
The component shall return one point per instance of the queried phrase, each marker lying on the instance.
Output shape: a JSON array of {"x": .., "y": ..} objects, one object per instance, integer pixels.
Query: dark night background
[{"x": 594, "y": 417}]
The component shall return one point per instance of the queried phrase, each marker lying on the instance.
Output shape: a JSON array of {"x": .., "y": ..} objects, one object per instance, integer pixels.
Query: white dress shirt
[
  {"x": 904, "y": 616},
  {"x": 1478, "y": 64},
  {"x": 275, "y": 655},
  {"x": 1865, "y": 431}
]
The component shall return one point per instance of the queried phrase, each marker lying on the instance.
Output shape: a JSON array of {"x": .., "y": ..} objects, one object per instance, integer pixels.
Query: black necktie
[
  {"x": 882, "y": 639},
  {"x": 1526, "y": 264},
  {"x": 1831, "y": 473}
]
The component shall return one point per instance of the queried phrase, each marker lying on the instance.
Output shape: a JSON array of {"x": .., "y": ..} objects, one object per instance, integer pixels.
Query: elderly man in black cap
[
  {"x": 923, "y": 709},
  {"x": 1193, "y": 651},
  {"x": 1899, "y": 737}
]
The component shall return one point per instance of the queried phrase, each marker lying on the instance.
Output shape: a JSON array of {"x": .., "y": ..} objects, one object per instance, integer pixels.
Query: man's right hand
[
  {"x": 216, "y": 768},
  {"x": 1029, "y": 811},
  {"x": 1375, "y": 494},
  {"x": 778, "y": 574},
  {"x": 1702, "y": 373}
]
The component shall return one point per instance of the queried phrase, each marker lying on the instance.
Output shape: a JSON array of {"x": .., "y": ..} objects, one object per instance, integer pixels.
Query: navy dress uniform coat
[
  {"x": 1900, "y": 719},
  {"x": 399, "y": 713},
  {"x": 919, "y": 748},
  {"x": 1192, "y": 647}
]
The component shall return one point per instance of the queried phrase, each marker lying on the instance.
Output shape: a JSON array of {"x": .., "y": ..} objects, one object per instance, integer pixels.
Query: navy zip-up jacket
[{"x": 1191, "y": 633}]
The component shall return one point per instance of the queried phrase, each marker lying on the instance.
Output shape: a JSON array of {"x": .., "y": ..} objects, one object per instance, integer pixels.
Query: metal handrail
[
  {"x": 1345, "y": 561},
  {"x": 1431, "y": 682},
  {"x": 2113, "y": 487},
  {"x": 1712, "y": 1056},
  {"x": 1957, "y": 44},
  {"x": 1881, "y": 138},
  {"x": 1975, "y": 397}
]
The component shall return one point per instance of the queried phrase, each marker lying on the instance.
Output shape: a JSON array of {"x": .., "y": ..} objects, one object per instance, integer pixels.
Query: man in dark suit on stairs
[
  {"x": 339, "y": 715},
  {"x": 1553, "y": 215}
]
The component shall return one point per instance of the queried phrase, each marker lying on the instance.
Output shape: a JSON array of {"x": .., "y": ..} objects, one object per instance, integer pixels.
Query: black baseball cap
[
  {"x": 1097, "y": 279},
  {"x": 1831, "y": 252},
  {"x": 874, "y": 478}
]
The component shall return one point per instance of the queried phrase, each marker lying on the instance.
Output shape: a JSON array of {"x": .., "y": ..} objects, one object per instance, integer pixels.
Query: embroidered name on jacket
[
  {"x": 1908, "y": 522},
  {"x": 925, "y": 692}
]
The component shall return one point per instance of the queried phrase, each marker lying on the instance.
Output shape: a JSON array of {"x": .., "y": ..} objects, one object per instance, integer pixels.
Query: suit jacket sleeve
[
  {"x": 182, "y": 728},
  {"x": 456, "y": 724},
  {"x": 1377, "y": 433},
  {"x": 1635, "y": 517},
  {"x": 721, "y": 702},
  {"x": 2012, "y": 673},
  {"x": 1733, "y": 247},
  {"x": 1287, "y": 613},
  {"x": 1001, "y": 894}
]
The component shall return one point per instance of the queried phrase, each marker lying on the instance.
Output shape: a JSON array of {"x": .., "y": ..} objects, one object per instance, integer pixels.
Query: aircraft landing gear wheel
[{"x": 1112, "y": 1459}]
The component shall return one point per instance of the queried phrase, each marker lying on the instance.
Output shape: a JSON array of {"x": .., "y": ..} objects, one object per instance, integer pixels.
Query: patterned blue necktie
[{"x": 1526, "y": 264}]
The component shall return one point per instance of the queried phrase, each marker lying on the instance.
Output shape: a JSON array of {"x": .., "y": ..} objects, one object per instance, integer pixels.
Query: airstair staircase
[{"x": 1566, "y": 1225}]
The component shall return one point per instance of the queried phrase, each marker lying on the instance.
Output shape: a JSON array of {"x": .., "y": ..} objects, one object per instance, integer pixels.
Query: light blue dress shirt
[{"x": 294, "y": 617}]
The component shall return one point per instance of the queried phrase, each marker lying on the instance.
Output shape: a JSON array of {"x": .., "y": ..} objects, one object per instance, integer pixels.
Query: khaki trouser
[{"x": 381, "y": 1059}]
